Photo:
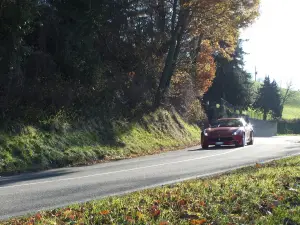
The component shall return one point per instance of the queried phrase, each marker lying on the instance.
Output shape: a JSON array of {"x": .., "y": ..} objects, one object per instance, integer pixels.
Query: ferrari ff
[{"x": 228, "y": 131}]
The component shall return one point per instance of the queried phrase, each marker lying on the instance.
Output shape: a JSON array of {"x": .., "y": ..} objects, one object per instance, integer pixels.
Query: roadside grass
[
  {"x": 261, "y": 194},
  {"x": 291, "y": 109},
  {"x": 31, "y": 148},
  {"x": 291, "y": 112}
]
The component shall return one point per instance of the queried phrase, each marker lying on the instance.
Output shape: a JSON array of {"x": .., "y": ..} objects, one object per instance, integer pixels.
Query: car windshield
[{"x": 227, "y": 123}]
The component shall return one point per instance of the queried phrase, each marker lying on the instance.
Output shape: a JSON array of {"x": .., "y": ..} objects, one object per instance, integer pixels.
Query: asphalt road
[{"x": 29, "y": 193}]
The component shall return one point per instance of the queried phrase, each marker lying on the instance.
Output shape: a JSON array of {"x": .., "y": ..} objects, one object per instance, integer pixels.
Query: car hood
[{"x": 221, "y": 131}]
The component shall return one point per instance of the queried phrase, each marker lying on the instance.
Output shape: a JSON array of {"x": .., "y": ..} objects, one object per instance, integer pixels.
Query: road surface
[{"x": 29, "y": 193}]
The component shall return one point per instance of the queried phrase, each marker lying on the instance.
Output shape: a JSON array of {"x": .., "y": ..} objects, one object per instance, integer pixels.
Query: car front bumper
[{"x": 231, "y": 140}]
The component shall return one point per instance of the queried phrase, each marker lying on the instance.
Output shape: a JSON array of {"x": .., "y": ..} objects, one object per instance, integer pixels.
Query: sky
[{"x": 274, "y": 42}]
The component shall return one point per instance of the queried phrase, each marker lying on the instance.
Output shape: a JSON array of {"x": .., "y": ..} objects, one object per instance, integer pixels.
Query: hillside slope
[{"x": 30, "y": 148}]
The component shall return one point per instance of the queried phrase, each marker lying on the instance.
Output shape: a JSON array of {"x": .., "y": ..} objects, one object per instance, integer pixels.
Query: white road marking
[{"x": 120, "y": 171}]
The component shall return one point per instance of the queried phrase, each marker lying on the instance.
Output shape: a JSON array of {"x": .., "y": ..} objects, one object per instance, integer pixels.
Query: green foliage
[
  {"x": 291, "y": 108},
  {"x": 254, "y": 114},
  {"x": 262, "y": 194},
  {"x": 289, "y": 126},
  {"x": 57, "y": 142},
  {"x": 76, "y": 54},
  {"x": 269, "y": 99},
  {"x": 232, "y": 82}
]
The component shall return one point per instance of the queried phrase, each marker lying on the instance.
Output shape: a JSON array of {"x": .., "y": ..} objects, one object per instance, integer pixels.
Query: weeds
[{"x": 58, "y": 143}]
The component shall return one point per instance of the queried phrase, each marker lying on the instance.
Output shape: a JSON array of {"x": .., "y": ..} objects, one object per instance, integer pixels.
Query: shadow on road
[
  {"x": 213, "y": 148},
  {"x": 293, "y": 147},
  {"x": 32, "y": 176},
  {"x": 263, "y": 135}
]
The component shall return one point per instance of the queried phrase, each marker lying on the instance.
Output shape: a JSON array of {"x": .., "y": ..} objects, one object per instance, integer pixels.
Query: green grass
[
  {"x": 291, "y": 109},
  {"x": 262, "y": 194},
  {"x": 291, "y": 112},
  {"x": 33, "y": 148}
]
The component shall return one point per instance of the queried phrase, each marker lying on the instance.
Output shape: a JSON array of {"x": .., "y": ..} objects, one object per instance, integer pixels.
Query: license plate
[{"x": 219, "y": 143}]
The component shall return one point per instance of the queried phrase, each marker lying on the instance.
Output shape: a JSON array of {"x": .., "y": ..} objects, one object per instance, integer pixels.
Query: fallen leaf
[
  {"x": 104, "y": 212},
  {"x": 67, "y": 212},
  {"x": 182, "y": 202},
  {"x": 129, "y": 219},
  {"x": 155, "y": 212},
  {"x": 234, "y": 197},
  {"x": 196, "y": 222},
  {"x": 164, "y": 223},
  {"x": 257, "y": 165},
  {"x": 38, "y": 216},
  {"x": 72, "y": 217},
  {"x": 156, "y": 202},
  {"x": 139, "y": 215},
  {"x": 202, "y": 203}
]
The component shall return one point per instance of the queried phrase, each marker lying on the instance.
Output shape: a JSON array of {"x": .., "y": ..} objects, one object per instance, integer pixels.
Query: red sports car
[{"x": 228, "y": 131}]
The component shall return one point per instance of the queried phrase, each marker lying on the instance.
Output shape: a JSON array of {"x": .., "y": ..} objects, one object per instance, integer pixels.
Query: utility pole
[{"x": 255, "y": 74}]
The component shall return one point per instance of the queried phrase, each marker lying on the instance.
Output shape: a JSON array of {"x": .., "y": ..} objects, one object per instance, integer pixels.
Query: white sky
[{"x": 274, "y": 42}]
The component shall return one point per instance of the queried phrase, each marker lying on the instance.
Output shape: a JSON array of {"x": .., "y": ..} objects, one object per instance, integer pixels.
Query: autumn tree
[
  {"x": 205, "y": 69},
  {"x": 195, "y": 21},
  {"x": 118, "y": 56}
]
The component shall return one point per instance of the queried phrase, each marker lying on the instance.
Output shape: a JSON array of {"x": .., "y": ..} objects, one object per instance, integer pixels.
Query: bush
[{"x": 289, "y": 126}]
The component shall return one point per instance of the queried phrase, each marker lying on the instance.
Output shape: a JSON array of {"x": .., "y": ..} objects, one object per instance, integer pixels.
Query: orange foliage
[
  {"x": 104, "y": 212},
  {"x": 206, "y": 68},
  {"x": 195, "y": 222}
]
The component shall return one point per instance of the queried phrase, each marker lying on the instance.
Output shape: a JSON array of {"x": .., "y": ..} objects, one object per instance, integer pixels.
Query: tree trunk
[
  {"x": 162, "y": 16},
  {"x": 265, "y": 115},
  {"x": 197, "y": 47},
  {"x": 171, "y": 60}
]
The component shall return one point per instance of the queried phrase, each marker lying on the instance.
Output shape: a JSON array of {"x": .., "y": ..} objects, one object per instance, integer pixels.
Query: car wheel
[
  {"x": 204, "y": 146},
  {"x": 251, "y": 142},
  {"x": 243, "y": 142}
]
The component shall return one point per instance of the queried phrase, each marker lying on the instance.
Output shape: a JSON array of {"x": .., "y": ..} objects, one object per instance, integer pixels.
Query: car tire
[
  {"x": 251, "y": 142},
  {"x": 243, "y": 143},
  {"x": 204, "y": 146}
]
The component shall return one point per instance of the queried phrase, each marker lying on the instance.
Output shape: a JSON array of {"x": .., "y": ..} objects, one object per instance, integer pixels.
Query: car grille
[{"x": 222, "y": 139}]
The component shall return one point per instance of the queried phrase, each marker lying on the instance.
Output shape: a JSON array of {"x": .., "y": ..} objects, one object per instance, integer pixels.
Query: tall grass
[{"x": 59, "y": 143}]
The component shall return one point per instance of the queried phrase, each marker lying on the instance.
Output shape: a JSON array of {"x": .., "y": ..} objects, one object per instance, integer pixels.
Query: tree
[
  {"x": 269, "y": 99},
  {"x": 215, "y": 20},
  {"x": 232, "y": 82},
  {"x": 118, "y": 55},
  {"x": 287, "y": 95}
]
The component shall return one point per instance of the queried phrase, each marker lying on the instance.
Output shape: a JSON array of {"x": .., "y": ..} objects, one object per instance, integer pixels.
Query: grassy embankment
[
  {"x": 30, "y": 148},
  {"x": 292, "y": 108},
  {"x": 261, "y": 194}
]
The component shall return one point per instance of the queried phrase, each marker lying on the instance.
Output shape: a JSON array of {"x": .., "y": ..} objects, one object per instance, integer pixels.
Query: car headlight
[
  {"x": 205, "y": 133},
  {"x": 237, "y": 132}
]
